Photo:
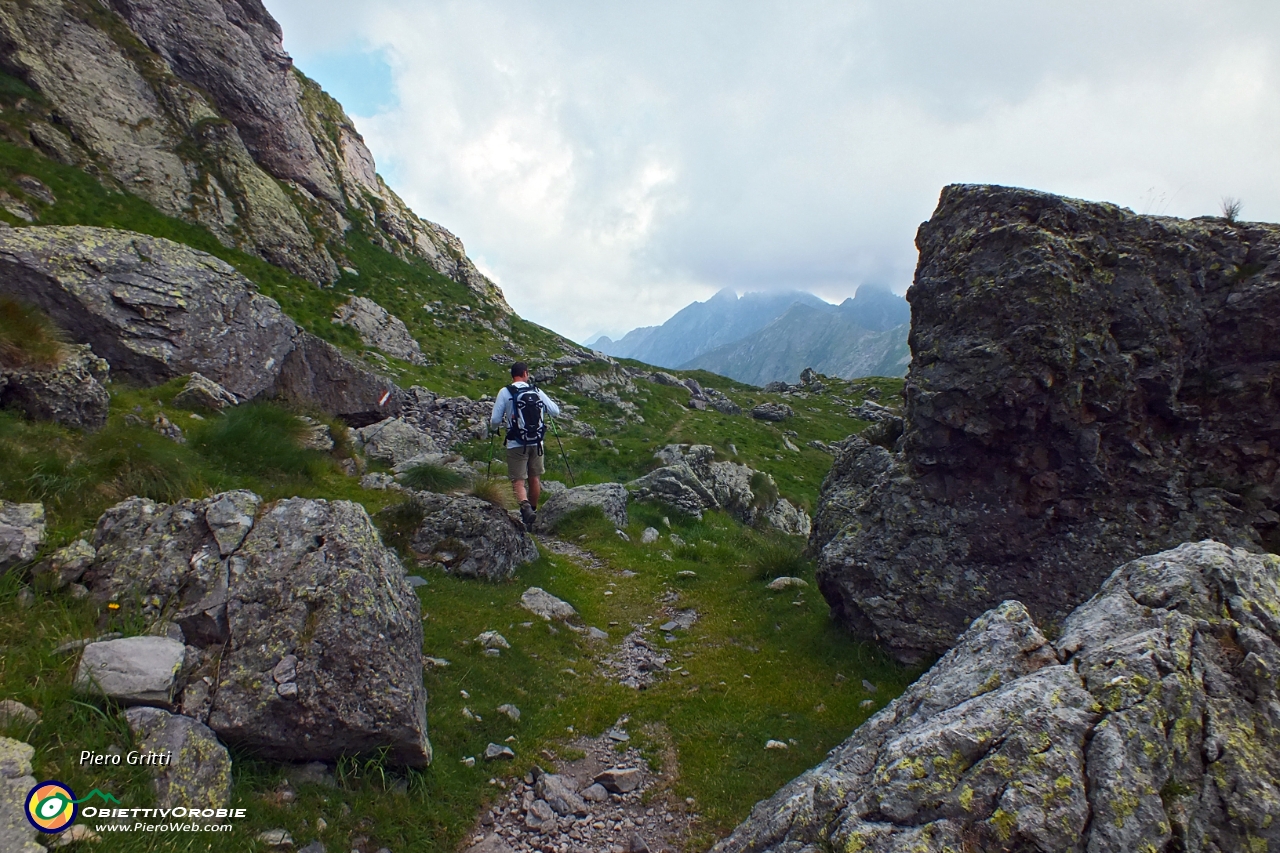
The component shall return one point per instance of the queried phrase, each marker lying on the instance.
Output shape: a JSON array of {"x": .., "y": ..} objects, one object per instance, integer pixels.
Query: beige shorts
[{"x": 525, "y": 462}]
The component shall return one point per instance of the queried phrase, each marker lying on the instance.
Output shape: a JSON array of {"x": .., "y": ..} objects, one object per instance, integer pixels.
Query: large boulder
[
  {"x": 610, "y": 498},
  {"x": 379, "y": 329},
  {"x": 1148, "y": 726},
  {"x": 1086, "y": 385},
  {"x": 692, "y": 481},
  {"x": 156, "y": 310},
  {"x": 394, "y": 441},
  {"x": 470, "y": 537},
  {"x": 198, "y": 771},
  {"x": 448, "y": 420},
  {"x": 70, "y": 393},
  {"x": 283, "y": 608},
  {"x": 22, "y": 531},
  {"x": 17, "y": 835}
]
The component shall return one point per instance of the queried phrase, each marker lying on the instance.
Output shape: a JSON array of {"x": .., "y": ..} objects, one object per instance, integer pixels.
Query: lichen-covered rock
[
  {"x": 692, "y": 481},
  {"x": 200, "y": 392},
  {"x": 610, "y": 498},
  {"x": 132, "y": 670},
  {"x": 198, "y": 771},
  {"x": 312, "y": 581},
  {"x": 66, "y": 565},
  {"x": 70, "y": 393},
  {"x": 470, "y": 537},
  {"x": 448, "y": 420},
  {"x": 1086, "y": 385},
  {"x": 317, "y": 373},
  {"x": 394, "y": 441},
  {"x": 17, "y": 835},
  {"x": 379, "y": 329},
  {"x": 22, "y": 531},
  {"x": 539, "y": 602},
  {"x": 285, "y": 605},
  {"x": 771, "y": 412},
  {"x": 1149, "y": 727}
]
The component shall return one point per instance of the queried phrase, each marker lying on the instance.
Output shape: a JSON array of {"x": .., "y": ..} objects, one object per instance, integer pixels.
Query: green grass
[
  {"x": 28, "y": 338},
  {"x": 804, "y": 674},
  {"x": 429, "y": 477}
]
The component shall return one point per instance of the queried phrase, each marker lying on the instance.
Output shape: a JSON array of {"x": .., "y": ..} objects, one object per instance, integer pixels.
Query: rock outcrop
[
  {"x": 155, "y": 310},
  {"x": 198, "y": 773},
  {"x": 70, "y": 393},
  {"x": 1149, "y": 725},
  {"x": 470, "y": 537},
  {"x": 195, "y": 107},
  {"x": 692, "y": 481},
  {"x": 282, "y": 608},
  {"x": 379, "y": 329},
  {"x": 17, "y": 835},
  {"x": 1086, "y": 385},
  {"x": 394, "y": 441}
]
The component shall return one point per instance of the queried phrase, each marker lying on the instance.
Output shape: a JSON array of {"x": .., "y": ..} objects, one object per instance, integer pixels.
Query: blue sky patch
[{"x": 361, "y": 80}]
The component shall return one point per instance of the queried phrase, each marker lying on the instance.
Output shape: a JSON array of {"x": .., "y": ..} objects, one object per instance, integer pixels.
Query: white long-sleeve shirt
[{"x": 504, "y": 407}]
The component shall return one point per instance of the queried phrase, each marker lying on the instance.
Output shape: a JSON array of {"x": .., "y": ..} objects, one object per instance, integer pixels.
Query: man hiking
[{"x": 526, "y": 408}]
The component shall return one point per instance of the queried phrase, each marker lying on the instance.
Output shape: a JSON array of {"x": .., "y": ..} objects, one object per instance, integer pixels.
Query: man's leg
[
  {"x": 535, "y": 490},
  {"x": 518, "y": 487}
]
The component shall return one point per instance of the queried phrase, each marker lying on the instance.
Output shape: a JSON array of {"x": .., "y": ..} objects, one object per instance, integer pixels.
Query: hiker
[{"x": 526, "y": 407}]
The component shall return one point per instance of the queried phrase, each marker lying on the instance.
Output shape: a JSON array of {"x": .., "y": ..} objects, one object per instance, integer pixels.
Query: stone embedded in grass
[
  {"x": 492, "y": 640},
  {"x": 132, "y": 671},
  {"x": 595, "y": 633},
  {"x": 275, "y": 838},
  {"x": 775, "y": 744},
  {"x": 786, "y": 583},
  {"x": 868, "y": 686},
  {"x": 542, "y": 603},
  {"x": 686, "y": 574},
  {"x": 622, "y": 534},
  {"x": 510, "y": 711},
  {"x": 12, "y": 712},
  {"x": 200, "y": 392},
  {"x": 649, "y": 536},
  {"x": 497, "y": 752}
]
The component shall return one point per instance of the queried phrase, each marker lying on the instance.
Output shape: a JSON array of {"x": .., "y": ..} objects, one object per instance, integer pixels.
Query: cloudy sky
[{"x": 608, "y": 163}]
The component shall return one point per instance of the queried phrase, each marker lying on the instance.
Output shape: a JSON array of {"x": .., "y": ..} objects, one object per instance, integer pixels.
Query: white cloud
[{"x": 612, "y": 162}]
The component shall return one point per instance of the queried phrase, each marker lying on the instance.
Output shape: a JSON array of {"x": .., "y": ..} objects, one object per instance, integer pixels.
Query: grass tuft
[
  {"x": 28, "y": 338},
  {"x": 779, "y": 558},
  {"x": 429, "y": 477},
  {"x": 496, "y": 492},
  {"x": 259, "y": 439}
]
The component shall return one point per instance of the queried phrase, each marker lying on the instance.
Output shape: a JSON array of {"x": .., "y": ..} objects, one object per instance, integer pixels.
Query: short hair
[{"x": 519, "y": 369}]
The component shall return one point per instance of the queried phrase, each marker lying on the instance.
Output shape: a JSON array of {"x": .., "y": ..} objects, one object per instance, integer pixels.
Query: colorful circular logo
[{"x": 51, "y": 806}]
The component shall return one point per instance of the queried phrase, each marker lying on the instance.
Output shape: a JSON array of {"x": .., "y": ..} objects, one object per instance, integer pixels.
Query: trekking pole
[
  {"x": 563, "y": 455},
  {"x": 489, "y": 472}
]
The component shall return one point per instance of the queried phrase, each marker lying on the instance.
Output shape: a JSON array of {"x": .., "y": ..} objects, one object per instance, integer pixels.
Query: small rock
[
  {"x": 867, "y": 703},
  {"x": 203, "y": 393},
  {"x": 595, "y": 793},
  {"x": 416, "y": 581},
  {"x": 434, "y": 663},
  {"x": 775, "y": 744},
  {"x": 276, "y": 838},
  {"x": 686, "y": 574},
  {"x": 12, "y": 712},
  {"x": 596, "y": 634},
  {"x": 539, "y": 815},
  {"x": 26, "y": 598},
  {"x": 544, "y": 604},
  {"x": 496, "y": 752},
  {"x": 637, "y": 844},
  {"x": 786, "y": 583},
  {"x": 493, "y": 640},
  {"x": 619, "y": 780},
  {"x": 668, "y": 626},
  {"x": 676, "y": 540},
  {"x": 311, "y": 773},
  {"x": 468, "y": 714},
  {"x": 623, "y": 535},
  {"x": 286, "y": 670},
  {"x": 649, "y": 536},
  {"x": 132, "y": 671},
  {"x": 868, "y": 686},
  {"x": 559, "y": 793},
  {"x": 469, "y": 761},
  {"x": 313, "y": 847},
  {"x": 511, "y": 711}
]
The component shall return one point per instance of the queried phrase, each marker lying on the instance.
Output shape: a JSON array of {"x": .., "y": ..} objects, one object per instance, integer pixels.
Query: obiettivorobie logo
[{"x": 52, "y": 806}]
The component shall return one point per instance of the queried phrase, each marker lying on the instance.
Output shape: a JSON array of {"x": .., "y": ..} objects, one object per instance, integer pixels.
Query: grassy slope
[{"x": 718, "y": 719}]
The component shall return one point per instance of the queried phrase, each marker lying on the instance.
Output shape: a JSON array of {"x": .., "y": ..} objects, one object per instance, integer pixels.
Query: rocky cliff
[
  {"x": 194, "y": 106},
  {"x": 1149, "y": 725},
  {"x": 1086, "y": 385}
]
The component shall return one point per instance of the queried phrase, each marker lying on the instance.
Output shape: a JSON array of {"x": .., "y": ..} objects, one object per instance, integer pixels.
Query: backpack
[{"x": 527, "y": 425}]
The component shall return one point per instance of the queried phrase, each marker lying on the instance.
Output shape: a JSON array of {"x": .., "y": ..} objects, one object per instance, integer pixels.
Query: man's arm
[
  {"x": 500, "y": 404},
  {"x": 552, "y": 408}
]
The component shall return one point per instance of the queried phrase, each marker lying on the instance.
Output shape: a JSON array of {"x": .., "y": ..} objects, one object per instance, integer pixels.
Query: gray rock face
[
  {"x": 22, "y": 532},
  {"x": 1087, "y": 385},
  {"x": 71, "y": 393},
  {"x": 448, "y": 420},
  {"x": 692, "y": 481},
  {"x": 379, "y": 329},
  {"x": 133, "y": 670},
  {"x": 1147, "y": 727},
  {"x": 66, "y": 565},
  {"x": 284, "y": 607},
  {"x": 198, "y": 772},
  {"x": 16, "y": 832},
  {"x": 611, "y": 498},
  {"x": 393, "y": 440},
  {"x": 316, "y": 372},
  {"x": 470, "y": 537}
]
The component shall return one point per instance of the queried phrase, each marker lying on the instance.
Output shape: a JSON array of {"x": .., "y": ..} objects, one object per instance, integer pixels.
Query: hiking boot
[{"x": 527, "y": 515}]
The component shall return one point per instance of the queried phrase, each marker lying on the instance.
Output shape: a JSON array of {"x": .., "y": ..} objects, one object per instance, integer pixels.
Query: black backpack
[{"x": 527, "y": 425}]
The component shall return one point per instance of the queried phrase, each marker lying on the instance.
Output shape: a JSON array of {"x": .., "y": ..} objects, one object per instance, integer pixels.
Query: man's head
[{"x": 519, "y": 371}]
